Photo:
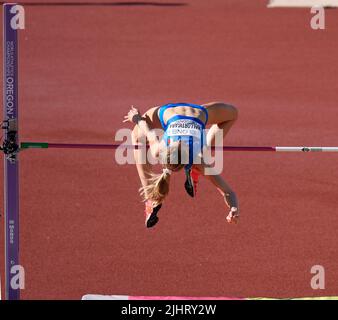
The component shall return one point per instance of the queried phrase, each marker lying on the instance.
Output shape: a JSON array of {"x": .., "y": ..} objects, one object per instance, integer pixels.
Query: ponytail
[{"x": 157, "y": 188}]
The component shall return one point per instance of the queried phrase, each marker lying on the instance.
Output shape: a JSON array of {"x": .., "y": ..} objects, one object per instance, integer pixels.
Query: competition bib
[{"x": 184, "y": 127}]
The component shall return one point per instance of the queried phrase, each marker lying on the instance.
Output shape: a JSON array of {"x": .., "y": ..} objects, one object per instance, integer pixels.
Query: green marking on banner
[{"x": 39, "y": 145}]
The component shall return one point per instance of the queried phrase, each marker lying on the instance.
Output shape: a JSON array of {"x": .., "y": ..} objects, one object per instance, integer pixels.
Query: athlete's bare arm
[
  {"x": 225, "y": 190},
  {"x": 146, "y": 124}
]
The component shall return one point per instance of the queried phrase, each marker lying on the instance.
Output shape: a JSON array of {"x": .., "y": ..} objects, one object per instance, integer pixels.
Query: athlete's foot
[
  {"x": 191, "y": 182},
  {"x": 151, "y": 214}
]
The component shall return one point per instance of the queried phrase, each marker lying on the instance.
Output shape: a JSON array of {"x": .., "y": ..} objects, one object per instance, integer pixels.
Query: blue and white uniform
[{"x": 186, "y": 129}]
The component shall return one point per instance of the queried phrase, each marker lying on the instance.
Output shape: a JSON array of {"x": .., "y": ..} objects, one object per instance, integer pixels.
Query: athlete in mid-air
[{"x": 183, "y": 125}]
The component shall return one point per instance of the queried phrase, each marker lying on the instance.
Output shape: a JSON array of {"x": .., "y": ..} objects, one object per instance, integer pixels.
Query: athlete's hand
[
  {"x": 233, "y": 215},
  {"x": 133, "y": 115}
]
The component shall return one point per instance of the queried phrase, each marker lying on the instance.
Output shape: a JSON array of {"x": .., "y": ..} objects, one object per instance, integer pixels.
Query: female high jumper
[{"x": 183, "y": 125}]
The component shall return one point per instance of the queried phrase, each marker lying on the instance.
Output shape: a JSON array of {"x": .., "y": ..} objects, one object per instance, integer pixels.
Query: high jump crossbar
[{"x": 47, "y": 145}]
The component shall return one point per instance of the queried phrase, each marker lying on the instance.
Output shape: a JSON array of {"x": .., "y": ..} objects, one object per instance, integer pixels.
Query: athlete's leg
[{"x": 222, "y": 117}]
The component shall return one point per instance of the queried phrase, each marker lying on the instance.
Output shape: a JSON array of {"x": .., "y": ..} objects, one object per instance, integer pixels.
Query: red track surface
[{"x": 81, "y": 217}]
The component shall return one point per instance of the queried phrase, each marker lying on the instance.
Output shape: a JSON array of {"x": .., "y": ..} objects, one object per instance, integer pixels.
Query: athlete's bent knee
[{"x": 232, "y": 110}]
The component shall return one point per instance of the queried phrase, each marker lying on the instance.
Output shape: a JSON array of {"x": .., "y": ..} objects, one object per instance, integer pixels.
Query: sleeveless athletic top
[{"x": 184, "y": 128}]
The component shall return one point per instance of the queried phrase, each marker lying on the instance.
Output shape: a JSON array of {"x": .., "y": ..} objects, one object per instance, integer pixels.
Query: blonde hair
[{"x": 158, "y": 184}]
